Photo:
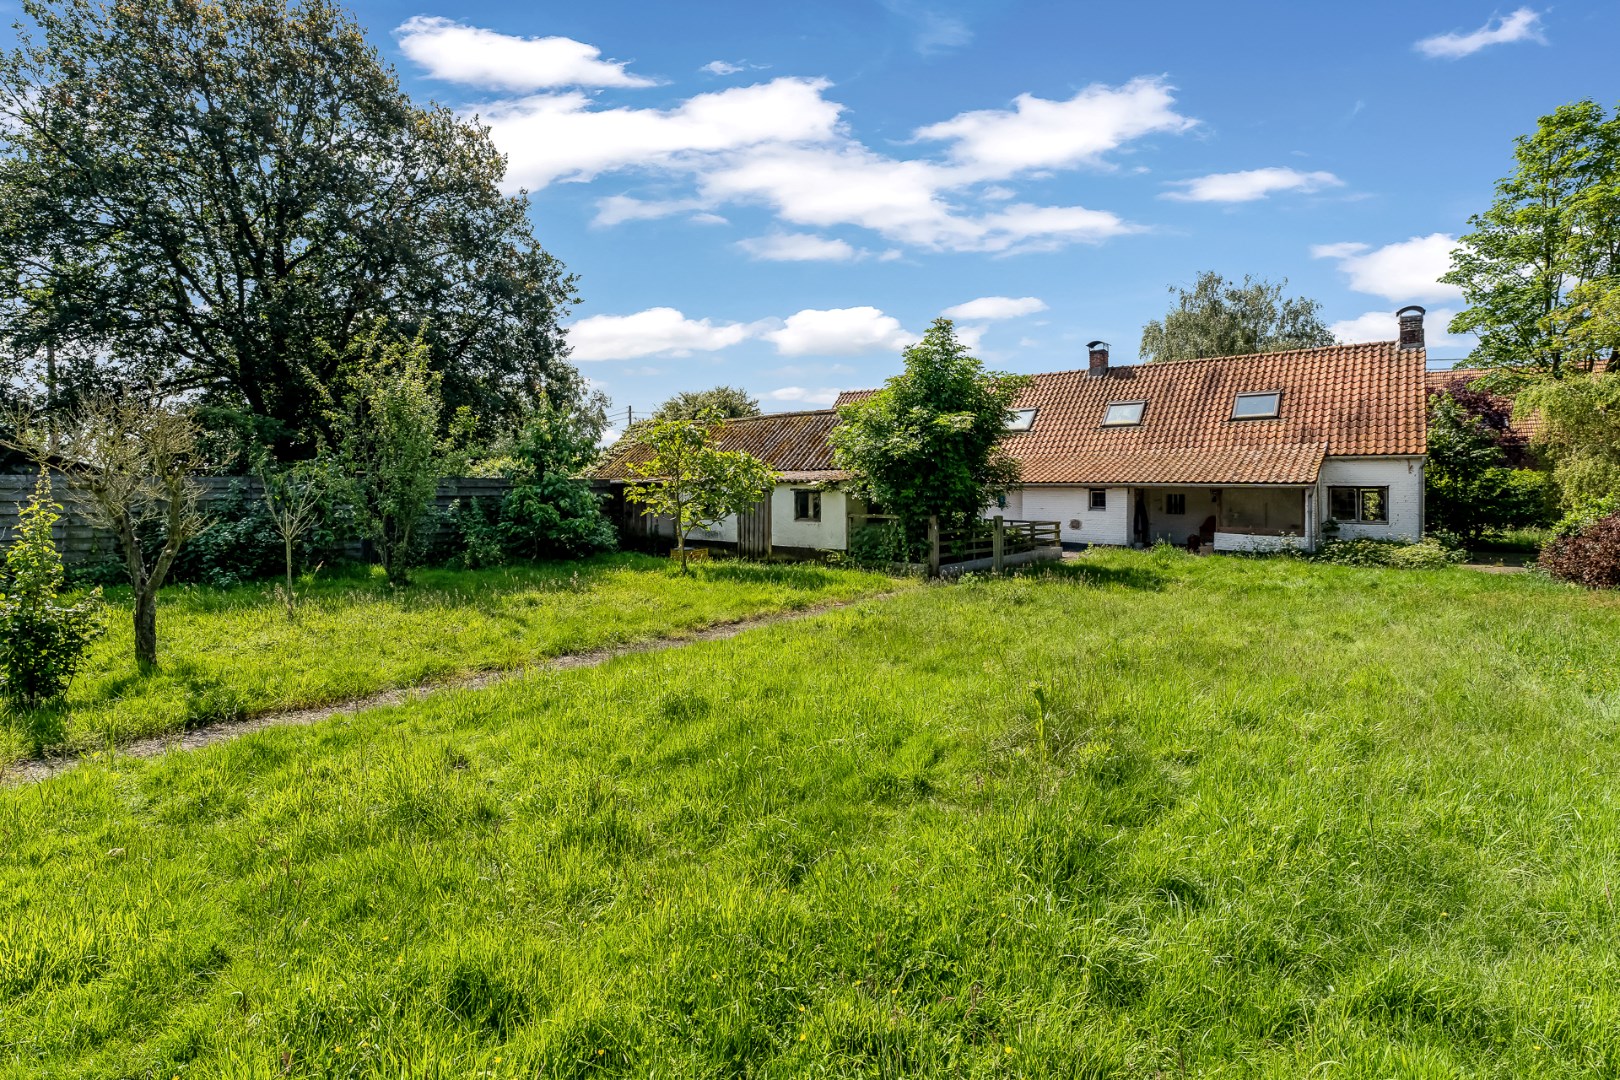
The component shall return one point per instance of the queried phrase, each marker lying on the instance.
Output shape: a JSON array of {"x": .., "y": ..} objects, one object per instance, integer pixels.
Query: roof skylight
[
  {"x": 1020, "y": 419},
  {"x": 1256, "y": 406},
  {"x": 1123, "y": 413}
]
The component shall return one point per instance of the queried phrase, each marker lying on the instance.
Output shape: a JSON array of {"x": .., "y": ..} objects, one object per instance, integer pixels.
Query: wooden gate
[{"x": 754, "y": 531}]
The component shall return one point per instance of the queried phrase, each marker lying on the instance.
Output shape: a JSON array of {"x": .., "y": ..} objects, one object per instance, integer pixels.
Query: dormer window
[
  {"x": 1256, "y": 406},
  {"x": 1020, "y": 419},
  {"x": 1123, "y": 413}
]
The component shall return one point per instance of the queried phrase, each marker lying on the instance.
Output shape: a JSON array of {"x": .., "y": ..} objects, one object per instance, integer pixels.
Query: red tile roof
[
  {"x": 794, "y": 444},
  {"x": 1341, "y": 400}
]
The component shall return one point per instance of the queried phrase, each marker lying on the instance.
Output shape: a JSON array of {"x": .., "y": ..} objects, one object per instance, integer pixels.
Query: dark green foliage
[
  {"x": 1589, "y": 557},
  {"x": 1430, "y": 553},
  {"x": 42, "y": 637},
  {"x": 551, "y": 511},
  {"x": 1471, "y": 488},
  {"x": 726, "y": 402},
  {"x": 1219, "y": 318},
  {"x": 220, "y": 199},
  {"x": 880, "y": 545},
  {"x": 929, "y": 442}
]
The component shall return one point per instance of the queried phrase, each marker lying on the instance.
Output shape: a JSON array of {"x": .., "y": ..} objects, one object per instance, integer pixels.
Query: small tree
[
  {"x": 550, "y": 510},
  {"x": 42, "y": 639},
  {"x": 688, "y": 479},
  {"x": 387, "y": 431},
  {"x": 929, "y": 442},
  {"x": 129, "y": 464},
  {"x": 1579, "y": 433},
  {"x": 295, "y": 497},
  {"x": 1220, "y": 318}
]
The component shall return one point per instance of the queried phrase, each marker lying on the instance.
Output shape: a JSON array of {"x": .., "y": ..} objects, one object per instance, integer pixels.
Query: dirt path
[{"x": 28, "y": 772}]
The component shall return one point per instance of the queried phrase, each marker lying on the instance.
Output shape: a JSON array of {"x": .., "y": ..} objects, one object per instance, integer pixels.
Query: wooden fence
[
  {"x": 988, "y": 542},
  {"x": 79, "y": 540}
]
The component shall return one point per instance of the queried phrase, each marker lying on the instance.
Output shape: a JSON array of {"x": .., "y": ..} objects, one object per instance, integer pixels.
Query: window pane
[
  {"x": 1099, "y": 498},
  {"x": 1343, "y": 505},
  {"x": 1372, "y": 504},
  {"x": 1254, "y": 406},
  {"x": 1175, "y": 503},
  {"x": 1020, "y": 419},
  {"x": 1124, "y": 412}
]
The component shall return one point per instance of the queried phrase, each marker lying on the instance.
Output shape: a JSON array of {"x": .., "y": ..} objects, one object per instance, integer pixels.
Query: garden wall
[{"x": 79, "y": 540}]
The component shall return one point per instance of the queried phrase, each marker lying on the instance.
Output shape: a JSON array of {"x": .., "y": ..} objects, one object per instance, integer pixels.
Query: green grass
[
  {"x": 1516, "y": 541},
  {"x": 1152, "y": 815},
  {"x": 230, "y": 653}
]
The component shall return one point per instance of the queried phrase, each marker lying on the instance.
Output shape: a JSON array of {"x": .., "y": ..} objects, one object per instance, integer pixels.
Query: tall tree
[
  {"x": 225, "y": 196},
  {"x": 1540, "y": 272},
  {"x": 1217, "y": 317},
  {"x": 929, "y": 443},
  {"x": 724, "y": 402}
]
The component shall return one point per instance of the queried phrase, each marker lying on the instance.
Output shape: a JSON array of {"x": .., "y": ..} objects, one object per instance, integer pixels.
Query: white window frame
[
  {"x": 1097, "y": 499},
  {"x": 1360, "y": 490},
  {"x": 1021, "y": 419},
  {"x": 814, "y": 500},
  {"x": 1141, "y": 411},
  {"x": 1276, "y": 408}
]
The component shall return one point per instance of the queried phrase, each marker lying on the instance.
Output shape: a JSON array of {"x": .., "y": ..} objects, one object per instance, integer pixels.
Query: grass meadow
[
  {"x": 229, "y": 653},
  {"x": 1144, "y": 815}
]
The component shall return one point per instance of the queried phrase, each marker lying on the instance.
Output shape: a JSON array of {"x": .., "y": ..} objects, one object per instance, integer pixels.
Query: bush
[
  {"x": 1432, "y": 552},
  {"x": 1590, "y": 557},
  {"x": 551, "y": 516},
  {"x": 42, "y": 639}
]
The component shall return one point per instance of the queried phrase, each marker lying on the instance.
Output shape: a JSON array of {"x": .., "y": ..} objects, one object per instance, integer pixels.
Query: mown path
[{"x": 33, "y": 771}]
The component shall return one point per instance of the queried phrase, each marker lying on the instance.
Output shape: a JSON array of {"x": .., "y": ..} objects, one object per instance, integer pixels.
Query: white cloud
[
  {"x": 802, "y": 395},
  {"x": 1041, "y": 134},
  {"x": 1523, "y": 24},
  {"x": 720, "y": 67},
  {"x": 970, "y": 336},
  {"x": 549, "y": 137},
  {"x": 617, "y": 209},
  {"x": 1250, "y": 185},
  {"x": 476, "y": 57},
  {"x": 839, "y": 332},
  {"x": 1403, "y": 272},
  {"x": 1382, "y": 326},
  {"x": 659, "y": 331},
  {"x": 798, "y": 247},
  {"x": 996, "y": 307}
]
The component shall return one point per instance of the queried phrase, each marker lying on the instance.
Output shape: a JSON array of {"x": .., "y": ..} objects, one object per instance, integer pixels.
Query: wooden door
[{"x": 754, "y": 531}]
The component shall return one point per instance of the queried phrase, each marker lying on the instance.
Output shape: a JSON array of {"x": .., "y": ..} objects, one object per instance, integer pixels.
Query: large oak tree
[{"x": 220, "y": 199}]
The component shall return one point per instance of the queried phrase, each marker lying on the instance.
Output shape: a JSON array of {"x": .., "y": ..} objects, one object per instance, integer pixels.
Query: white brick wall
[
  {"x": 828, "y": 534},
  {"x": 1067, "y": 505},
  {"x": 1404, "y": 478}
]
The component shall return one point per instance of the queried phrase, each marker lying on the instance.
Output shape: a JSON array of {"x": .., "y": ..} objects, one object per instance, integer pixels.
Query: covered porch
[{"x": 1227, "y": 518}]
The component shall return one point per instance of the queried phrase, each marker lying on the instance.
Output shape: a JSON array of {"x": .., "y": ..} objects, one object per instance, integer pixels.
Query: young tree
[
  {"x": 129, "y": 464},
  {"x": 1579, "y": 433},
  {"x": 1540, "y": 272},
  {"x": 295, "y": 497},
  {"x": 551, "y": 510},
  {"x": 1218, "y": 318},
  {"x": 689, "y": 480},
  {"x": 929, "y": 442},
  {"x": 388, "y": 443},
  {"x": 42, "y": 639},
  {"x": 212, "y": 192}
]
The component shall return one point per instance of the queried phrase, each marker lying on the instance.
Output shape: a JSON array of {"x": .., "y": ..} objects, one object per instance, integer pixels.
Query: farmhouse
[{"x": 1232, "y": 453}]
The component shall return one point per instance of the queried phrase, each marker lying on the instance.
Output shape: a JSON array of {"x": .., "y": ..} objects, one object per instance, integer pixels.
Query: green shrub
[
  {"x": 1429, "y": 553},
  {"x": 42, "y": 638}
]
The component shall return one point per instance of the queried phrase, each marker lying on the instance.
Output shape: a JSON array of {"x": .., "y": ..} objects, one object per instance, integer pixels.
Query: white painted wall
[
  {"x": 1403, "y": 477},
  {"x": 831, "y": 533},
  {"x": 1067, "y": 505},
  {"x": 1225, "y": 541}
]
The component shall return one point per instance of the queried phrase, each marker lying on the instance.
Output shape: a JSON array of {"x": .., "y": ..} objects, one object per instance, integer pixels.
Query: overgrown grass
[
  {"x": 1149, "y": 815},
  {"x": 229, "y": 653},
  {"x": 1514, "y": 541}
]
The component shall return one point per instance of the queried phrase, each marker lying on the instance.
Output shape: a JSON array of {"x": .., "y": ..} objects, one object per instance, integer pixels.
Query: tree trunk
[{"x": 146, "y": 629}]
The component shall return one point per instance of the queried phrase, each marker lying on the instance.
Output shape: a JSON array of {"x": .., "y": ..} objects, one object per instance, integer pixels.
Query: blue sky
[{"x": 780, "y": 196}]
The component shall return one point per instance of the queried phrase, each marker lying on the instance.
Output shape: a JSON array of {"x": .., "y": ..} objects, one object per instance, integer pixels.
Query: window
[
  {"x": 1020, "y": 419},
  {"x": 806, "y": 505},
  {"x": 1256, "y": 406},
  {"x": 1175, "y": 503},
  {"x": 1099, "y": 498},
  {"x": 1123, "y": 413},
  {"x": 1364, "y": 505}
]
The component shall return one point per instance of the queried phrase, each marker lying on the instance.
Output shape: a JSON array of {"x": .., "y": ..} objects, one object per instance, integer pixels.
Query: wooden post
[
  {"x": 998, "y": 545},
  {"x": 933, "y": 545}
]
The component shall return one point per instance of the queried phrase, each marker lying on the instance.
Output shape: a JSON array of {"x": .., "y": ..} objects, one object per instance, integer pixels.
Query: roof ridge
[{"x": 1212, "y": 359}]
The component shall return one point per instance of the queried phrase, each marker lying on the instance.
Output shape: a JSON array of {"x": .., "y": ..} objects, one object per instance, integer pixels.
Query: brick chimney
[
  {"x": 1411, "y": 318},
  {"x": 1099, "y": 357}
]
